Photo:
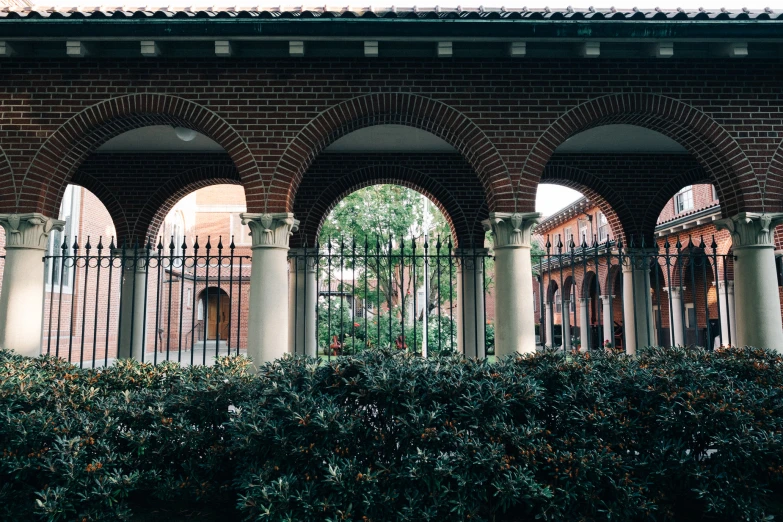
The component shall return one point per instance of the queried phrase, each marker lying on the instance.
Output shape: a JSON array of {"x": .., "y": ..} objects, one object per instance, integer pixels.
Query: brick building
[
  {"x": 298, "y": 107},
  {"x": 696, "y": 292}
]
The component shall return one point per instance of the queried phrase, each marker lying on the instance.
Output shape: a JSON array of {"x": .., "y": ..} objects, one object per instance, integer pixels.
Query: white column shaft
[
  {"x": 132, "y": 313},
  {"x": 608, "y": 323},
  {"x": 470, "y": 302},
  {"x": 727, "y": 332},
  {"x": 514, "y": 311},
  {"x": 566, "y": 322},
  {"x": 756, "y": 295},
  {"x": 637, "y": 304},
  {"x": 584, "y": 323},
  {"x": 269, "y": 295},
  {"x": 22, "y": 295},
  {"x": 303, "y": 300},
  {"x": 550, "y": 325},
  {"x": 675, "y": 316}
]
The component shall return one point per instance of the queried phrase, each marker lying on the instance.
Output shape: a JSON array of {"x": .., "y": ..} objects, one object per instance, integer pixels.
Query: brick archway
[
  {"x": 703, "y": 137},
  {"x": 463, "y": 228},
  {"x": 109, "y": 200},
  {"x": 391, "y": 108},
  {"x": 62, "y": 153}
]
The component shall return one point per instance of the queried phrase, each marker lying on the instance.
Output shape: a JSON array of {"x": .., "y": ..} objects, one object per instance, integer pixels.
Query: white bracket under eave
[
  {"x": 662, "y": 50},
  {"x": 517, "y": 49},
  {"x": 445, "y": 50},
  {"x": 76, "y": 49},
  {"x": 150, "y": 48},
  {"x": 296, "y": 48},
  {"x": 223, "y": 48},
  {"x": 371, "y": 49},
  {"x": 590, "y": 50},
  {"x": 6, "y": 50}
]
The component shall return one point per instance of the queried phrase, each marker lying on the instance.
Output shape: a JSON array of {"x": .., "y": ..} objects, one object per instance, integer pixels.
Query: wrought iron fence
[
  {"x": 690, "y": 299},
  {"x": 183, "y": 303},
  {"x": 416, "y": 295}
]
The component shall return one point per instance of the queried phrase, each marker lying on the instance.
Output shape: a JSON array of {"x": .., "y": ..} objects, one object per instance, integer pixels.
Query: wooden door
[{"x": 217, "y": 322}]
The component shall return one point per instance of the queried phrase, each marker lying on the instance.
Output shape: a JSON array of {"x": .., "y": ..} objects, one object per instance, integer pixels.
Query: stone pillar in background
[
  {"x": 514, "y": 311},
  {"x": 132, "y": 299},
  {"x": 584, "y": 323},
  {"x": 675, "y": 315},
  {"x": 268, "y": 316},
  {"x": 637, "y": 301},
  {"x": 756, "y": 289},
  {"x": 608, "y": 323},
  {"x": 303, "y": 301},
  {"x": 566, "y": 321},
  {"x": 728, "y": 332},
  {"x": 550, "y": 325},
  {"x": 22, "y": 294},
  {"x": 470, "y": 301}
]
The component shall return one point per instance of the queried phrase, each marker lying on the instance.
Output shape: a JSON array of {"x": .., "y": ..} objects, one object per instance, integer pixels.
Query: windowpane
[{"x": 684, "y": 200}]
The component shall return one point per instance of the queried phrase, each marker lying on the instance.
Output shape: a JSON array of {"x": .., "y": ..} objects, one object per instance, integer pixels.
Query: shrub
[{"x": 672, "y": 434}]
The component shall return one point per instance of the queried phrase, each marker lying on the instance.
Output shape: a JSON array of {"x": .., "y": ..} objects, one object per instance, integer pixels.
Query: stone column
[
  {"x": 728, "y": 334},
  {"x": 584, "y": 323},
  {"x": 608, "y": 322},
  {"x": 303, "y": 299},
  {"x": 675, "y": 315},
  {"x": 732, "y": 315},
  {"x": 637, "y": 302},
  {"x": 550, "y": 325},
  {"x": 268, "y": 315},
  {"x": 514, "y": 312},
  {"x": 470, "y": 302},
  {"x": 756, "y": 289},
  {"x": 565, "y": 319},
  {"x": 132, "y": 299},
  {"x": 22, "y": 295}
]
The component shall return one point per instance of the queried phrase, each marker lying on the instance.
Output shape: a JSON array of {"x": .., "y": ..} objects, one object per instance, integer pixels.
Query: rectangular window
[
  {"x": 603, "y": 227},
  {"x": 584, "y": 235},
  {"x": 684, "y": 200},
  {"x": 569, "y": 235},
  {"x": 59, "y": 270},
  {"x": 189, "y": 299},
  {"x": 240, "y": 232},
  {"x": 714, "y": 193},
  {"x": 558, "y": 302}
]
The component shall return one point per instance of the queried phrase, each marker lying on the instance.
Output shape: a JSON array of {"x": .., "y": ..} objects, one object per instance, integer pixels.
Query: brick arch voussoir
[
  {"x": 61, "y": 154},
  {"x": 151, "y": 216},
  {"x": 667, "y": 192},
  {"x": 621, "y": 220},
  {"x": 7, "y": 185},
  {"x": 551, "y": 288},
  {"x": 587, "y": 279},
  {"x": 313, "y": 218},
  {"x": 773, "y": 184},
  {"x": 710, "y": 144},
  {"x": 407, "y": 109},
  {"x": 113, "y": 205},
  {"x": 611, "y": 279}
]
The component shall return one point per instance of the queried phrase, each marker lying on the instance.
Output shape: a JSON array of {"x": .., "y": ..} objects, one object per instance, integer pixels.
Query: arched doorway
[{"x": 216, "y": 319}]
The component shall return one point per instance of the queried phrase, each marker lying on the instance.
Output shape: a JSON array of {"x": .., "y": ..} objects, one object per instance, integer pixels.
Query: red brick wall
[{"x": 506, "y": 116}]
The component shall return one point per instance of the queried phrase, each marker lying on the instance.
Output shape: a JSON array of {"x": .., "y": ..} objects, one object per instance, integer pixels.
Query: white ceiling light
[{"x": 185, "y": 134}]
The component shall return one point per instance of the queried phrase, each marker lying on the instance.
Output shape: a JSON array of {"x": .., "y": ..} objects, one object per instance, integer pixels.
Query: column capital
[
  {"x": 605, "y": 298},
  {"x": 584, "y": 300},
  {"x": 675, "y": 291},
  {"x": 304, "y": 256},
  {"x": 751, "y": 229},
  {"x": 511, "y": 230},
  {"x": 270, "y": 230},
  {"x": 30, "y": 230},
  {"x": 725, "y": 285}
]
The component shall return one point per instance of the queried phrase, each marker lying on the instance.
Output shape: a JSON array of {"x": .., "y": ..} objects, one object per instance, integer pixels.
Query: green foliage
[{"x": 669, "y": 435}]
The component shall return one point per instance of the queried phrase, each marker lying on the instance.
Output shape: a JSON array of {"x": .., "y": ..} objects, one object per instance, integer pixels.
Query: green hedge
[{"x": 668, "y": 435}]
